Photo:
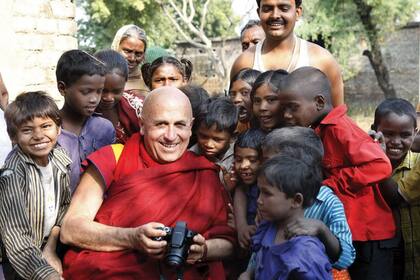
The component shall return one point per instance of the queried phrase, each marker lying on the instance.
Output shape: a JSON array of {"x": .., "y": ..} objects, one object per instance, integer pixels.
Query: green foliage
[
  {"x": 104, "y": 17},
  {"x": 338, "y": 25}
]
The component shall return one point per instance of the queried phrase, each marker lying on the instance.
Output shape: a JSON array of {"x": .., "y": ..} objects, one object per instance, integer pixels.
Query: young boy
[
  {"x": 248, "y": 157},
  {"x": 353, "y": 164},
  {"x": 287, "y": 186},
  {"x": 80, "y": 79},
  {"x": 216, "y": 126},
  {"x": 325, "y": 219},
  {"x": 34, "y": 193},
  {"x": 396, "y": 119}
]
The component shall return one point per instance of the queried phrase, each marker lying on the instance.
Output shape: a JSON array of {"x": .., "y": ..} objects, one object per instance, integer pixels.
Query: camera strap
[{"x": 179, "y": 273}]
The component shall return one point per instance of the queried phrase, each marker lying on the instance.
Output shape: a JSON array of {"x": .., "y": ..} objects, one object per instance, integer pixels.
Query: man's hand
[
  {"x": 303, "y": 226},
  {"x": 198, "y": 250},
  {"x": 244, "y": 235},
  {"x": 142, "y": 239}
]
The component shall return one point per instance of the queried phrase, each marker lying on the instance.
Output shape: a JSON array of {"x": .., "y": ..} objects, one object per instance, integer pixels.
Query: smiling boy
[{"x": 34, "y": 193}]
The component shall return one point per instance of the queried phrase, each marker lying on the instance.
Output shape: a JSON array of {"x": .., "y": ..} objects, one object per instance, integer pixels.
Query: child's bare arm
[
  {"x": 245, "y": 231},
  {"x": 49, "y": 251}
]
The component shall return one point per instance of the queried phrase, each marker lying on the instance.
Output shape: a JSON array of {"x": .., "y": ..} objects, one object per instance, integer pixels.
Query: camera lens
[{"x": 175, "y": 261}]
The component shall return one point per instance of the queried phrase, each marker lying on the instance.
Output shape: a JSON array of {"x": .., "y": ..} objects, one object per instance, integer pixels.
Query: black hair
[
  {"x": 298, "y": 3},
  {"x": 198, "y": 97},
  {"x": 247, "y": 75},
  {"x": 114, "y": 62},
  {"x": 397, "y": 106},
  {"x": 251, "y": 23},
  {"x": 271, "y": 78},
  {"x": 184, "y": 66},
  {"x": 73, "y": 64},
  {"x": 303, "y": 140},
  {"x": 219, "y": 111},
  {"x": 26, "y": 107},
  {"x": 307, "y": 81},
  {"x": 252, "y": 139},
  {"x": 291, "y": 176}
]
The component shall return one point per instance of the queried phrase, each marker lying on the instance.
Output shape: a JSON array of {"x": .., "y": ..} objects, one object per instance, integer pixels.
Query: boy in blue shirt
[{"x": 80, "y": 79}]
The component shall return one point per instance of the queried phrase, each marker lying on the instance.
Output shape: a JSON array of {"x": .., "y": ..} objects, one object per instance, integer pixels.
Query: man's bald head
[
  {"x": 165, "y": 96},
  {"x": 166, "y": 122}
]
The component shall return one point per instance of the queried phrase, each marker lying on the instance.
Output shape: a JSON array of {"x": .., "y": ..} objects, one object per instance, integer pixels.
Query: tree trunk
[{"x": 374, "y": 54}]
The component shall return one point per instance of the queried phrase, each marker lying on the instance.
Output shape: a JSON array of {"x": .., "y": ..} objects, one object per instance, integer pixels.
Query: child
[
  {"x": 353, "y": 164},
  {"x": 167, "y": 71},
  {"x": 247, "y": 161},
  {"x": 325, "y": 218},
  {"x": 216, "y": 126},
  {"x": 265, "y": 104},
  {"x": 198, "y": 96},
  {"x": 240, "y": 94},
  {"x": 396, "y": 120},
  {"x": 117, "y": 106},
  {"x": 34, "y": 193},
  {"x": 287, "y": 186},
  {"x": 80, "y": 79}
]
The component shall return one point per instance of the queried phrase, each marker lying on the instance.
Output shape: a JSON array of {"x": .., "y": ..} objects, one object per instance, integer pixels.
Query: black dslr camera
[{"x": 179, "y": 240}]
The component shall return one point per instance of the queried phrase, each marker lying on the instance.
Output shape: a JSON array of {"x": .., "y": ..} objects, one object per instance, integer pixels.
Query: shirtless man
[{"x": 282, "y": 49}]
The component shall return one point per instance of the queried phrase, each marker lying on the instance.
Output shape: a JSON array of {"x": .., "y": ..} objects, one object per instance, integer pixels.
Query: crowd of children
[{"x": 312, "y": 195}]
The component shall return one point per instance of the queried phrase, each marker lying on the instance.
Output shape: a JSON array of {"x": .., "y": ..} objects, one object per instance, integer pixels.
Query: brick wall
[{"x": 34, "y": 35}]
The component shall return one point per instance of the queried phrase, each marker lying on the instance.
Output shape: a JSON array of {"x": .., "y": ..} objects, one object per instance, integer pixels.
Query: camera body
[{"x": 179, "y": 240}]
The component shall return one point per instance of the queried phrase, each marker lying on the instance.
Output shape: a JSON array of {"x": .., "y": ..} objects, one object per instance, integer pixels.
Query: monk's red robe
[{"x": 144, "y": 191}]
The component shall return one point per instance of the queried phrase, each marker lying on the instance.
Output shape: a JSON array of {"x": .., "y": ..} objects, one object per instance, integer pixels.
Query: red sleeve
[
  {"x": 219, "y": 227},
  {"x": 105, "y": 162},
  {"x": 353, "y": 160}
]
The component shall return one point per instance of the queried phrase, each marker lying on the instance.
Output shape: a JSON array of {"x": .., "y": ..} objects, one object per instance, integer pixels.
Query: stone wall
[{"x": 34, "y": 35}]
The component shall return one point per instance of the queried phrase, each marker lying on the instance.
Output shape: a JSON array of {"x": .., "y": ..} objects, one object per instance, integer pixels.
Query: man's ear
[
  {"x": 299, "y": 12},
  {"x": 320, "y": 102},
  {"x": 61, "y": 86},
  {"x": 297, "y": 201}
]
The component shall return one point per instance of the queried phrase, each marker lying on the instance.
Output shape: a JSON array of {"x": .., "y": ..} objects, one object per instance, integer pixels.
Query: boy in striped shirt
[{"x": 34, "y": 189}]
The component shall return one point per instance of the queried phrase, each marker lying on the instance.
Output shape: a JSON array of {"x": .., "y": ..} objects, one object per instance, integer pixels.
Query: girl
[
  {"x": 119, "y": 107},
  {"x": 265, "y": 103},
  {"x": 396, "y": 119},
  {"x": 167, "y": 71},
  {"x": 240, "y": 94}
]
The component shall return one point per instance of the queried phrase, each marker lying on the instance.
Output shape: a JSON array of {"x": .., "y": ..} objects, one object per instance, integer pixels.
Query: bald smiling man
[{"x": 150, "y": 182}]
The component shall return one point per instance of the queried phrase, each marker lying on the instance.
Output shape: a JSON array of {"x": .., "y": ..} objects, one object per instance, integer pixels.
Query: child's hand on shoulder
[
  {"x": 378, "y": 136},
  {"x": 244, "y": 235},
  {"x": 229, "y": 178},
  {"x": 303, "y": 226}
]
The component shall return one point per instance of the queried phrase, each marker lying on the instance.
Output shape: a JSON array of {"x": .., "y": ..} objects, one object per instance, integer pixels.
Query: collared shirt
[
  {"x": 22, "y": 210},
  {"x": 354, "y": 164},
  {"x": 410, "y": 219},
  {"x": 329, "y": 209},
  {"x": 96, "y": 133},
  {"x": 408, "y": 186}
]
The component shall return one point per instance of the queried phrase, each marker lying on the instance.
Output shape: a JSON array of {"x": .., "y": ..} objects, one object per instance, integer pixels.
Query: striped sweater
[{"x": 22, "y": 210}]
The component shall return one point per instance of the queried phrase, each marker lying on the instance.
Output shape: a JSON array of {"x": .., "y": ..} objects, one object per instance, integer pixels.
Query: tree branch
[
  {"x": 203, "y": 16},
  {"x": 192, "y": 11}
]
